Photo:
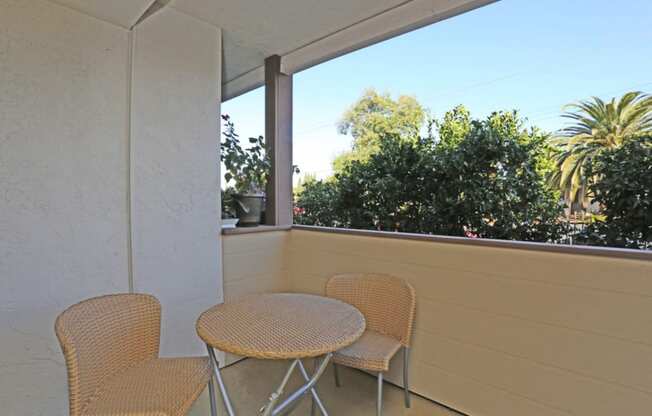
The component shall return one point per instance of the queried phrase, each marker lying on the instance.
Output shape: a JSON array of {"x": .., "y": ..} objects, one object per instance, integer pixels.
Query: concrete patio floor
[{"x": 251, "y": 381}]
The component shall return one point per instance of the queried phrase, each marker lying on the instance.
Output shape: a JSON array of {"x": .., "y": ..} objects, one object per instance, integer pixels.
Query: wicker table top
[{"x": 281, "y": 326}]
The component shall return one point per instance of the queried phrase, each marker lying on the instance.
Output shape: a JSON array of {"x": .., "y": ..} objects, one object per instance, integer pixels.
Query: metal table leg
[
  {"x": 293, "y": 400},
  {"x": 271, "y": 408},
  {"x": 316, "y": 401},
  {"x": 336, "y": 373},
  {"x": 220, "y": 382},
  {"x": 211, "y": 395},
  {"x": 274, "y": 398}
]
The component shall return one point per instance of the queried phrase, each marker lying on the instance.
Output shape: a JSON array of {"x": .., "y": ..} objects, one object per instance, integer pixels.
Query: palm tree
[{"x": 596, "y": 126}]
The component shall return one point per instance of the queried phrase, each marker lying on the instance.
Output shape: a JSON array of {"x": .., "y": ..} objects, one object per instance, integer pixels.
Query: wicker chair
[
  {"x": 388, "y": 304},
  {"x": 111, "y": 346}
]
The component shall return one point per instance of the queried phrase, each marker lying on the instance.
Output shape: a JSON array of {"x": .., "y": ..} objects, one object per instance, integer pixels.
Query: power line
[
  {"x": 316, "y": 128},
  {"x": 544, "y": 113},
  {"x": 549, "y": 112}
]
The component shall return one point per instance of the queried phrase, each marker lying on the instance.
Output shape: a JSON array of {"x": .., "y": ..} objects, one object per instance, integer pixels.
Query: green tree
[
  {"x": 596, "y": 126},
  {"x": 492, "y": 184},
  {"x": 454, "y": 126},
  {"x": 317, "y": 203},
  {"x": 476, "y": 178},
  {"x": 386, "y": 191},
  {"x": 622, "y": 185},
  {"x": 306, "y": 178},
  {"x": 374, "y": 116}
]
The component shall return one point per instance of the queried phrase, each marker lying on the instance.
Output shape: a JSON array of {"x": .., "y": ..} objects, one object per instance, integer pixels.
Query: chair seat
[
  {"x": 372, "y": 351},
  {"x": 156, "y": 387}
]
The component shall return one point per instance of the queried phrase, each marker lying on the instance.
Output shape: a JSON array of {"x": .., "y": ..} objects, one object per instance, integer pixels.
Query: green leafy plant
[
  {"x": 248, "y": 168},
  {"x": 622, "y": 185},
  {"x": 228, "y": 203}
]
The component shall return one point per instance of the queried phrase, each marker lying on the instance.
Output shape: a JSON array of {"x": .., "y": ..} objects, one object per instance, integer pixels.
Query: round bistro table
[{"x": 280, "y": 326}]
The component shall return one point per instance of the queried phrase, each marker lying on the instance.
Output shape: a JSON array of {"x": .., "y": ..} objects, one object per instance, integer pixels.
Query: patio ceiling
[
  {"x": 303, "y": 32},
  {"x": 123, "y": 13}
]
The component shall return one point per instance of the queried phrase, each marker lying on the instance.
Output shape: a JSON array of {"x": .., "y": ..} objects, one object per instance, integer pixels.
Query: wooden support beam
[{"x": 278, "y": 140}]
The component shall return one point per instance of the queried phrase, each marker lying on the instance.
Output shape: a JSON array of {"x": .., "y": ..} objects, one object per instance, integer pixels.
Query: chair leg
[
  {"x": 211, "y": 395},
  {"x": 406, "y": 366},
  {"x": 379, "y": 402},
  {"x": 336, "y": 373},
  {"x": 313, "y": 405}
]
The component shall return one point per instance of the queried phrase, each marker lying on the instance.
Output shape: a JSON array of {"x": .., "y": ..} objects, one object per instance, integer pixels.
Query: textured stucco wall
[
  {"x": 63, "y": 233},
  {"x": 176, "y": 184},
  {"x": 64, "y": 156},
  {"x": 508, "y": 332}
]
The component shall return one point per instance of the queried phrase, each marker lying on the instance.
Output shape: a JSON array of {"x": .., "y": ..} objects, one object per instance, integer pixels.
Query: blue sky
[{"x": 534, "y": 56}]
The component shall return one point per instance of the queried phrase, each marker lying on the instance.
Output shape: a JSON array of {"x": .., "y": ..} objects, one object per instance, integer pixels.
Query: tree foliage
[
  {"x": 386, "y": 191},
  {"x": 492, "y": 183},
  {"x": 492, "y": 178},
  {"x": 317, "y": 204},
  {"x": 374, "y": 116},
  {"x": 454, "y": 126},
  {"x": 597, "y": 126},
  {"x": 623, "y": 188},
  {"x": 475, "y": 178}
]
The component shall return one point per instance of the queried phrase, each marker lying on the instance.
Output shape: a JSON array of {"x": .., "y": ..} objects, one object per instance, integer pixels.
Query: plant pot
[
  {"x": 248, "y": 208},
  {"x": 229, "y": 222}
]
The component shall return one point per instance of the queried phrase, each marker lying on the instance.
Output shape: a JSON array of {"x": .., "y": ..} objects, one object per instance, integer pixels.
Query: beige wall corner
[{"x": 255, "y": 263}]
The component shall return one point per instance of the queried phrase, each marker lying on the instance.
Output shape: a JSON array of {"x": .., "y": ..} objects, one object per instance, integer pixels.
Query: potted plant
[
  {"x": 249, "y": 170},
  {"x": 229, "y": 218}
]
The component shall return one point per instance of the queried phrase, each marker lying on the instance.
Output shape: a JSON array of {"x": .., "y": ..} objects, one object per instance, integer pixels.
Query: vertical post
[{"x": 278, "y": 140}]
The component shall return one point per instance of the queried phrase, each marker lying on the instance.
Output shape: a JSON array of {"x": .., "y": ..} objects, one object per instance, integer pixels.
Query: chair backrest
[
  {"x": 388, "y": 303},
  {"x": 104, "y": 335}
]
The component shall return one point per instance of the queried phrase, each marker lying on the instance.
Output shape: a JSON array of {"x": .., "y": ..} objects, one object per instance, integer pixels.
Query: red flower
[
  {"x": 470, "y": 234},
  {"x": 299, "y": 211}
]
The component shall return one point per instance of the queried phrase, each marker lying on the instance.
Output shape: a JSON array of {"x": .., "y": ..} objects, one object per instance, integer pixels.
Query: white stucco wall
[
  {"x": 64, "y": 156},
  {"x": 63, "y": 106},
  {"x": 176, "y": 187}
]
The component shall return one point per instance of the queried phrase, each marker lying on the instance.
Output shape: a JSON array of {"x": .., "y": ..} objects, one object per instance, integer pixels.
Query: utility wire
[{"x": 544, "y": 113}]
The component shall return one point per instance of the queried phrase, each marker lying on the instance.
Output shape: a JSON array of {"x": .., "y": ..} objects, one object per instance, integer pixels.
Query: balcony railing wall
[
  {"x": 255, "y": 263},
  {"x": 499, "y": 331}
]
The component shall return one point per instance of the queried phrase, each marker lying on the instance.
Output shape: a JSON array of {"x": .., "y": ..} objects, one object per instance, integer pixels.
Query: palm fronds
[{"x": 596, "y": 125}]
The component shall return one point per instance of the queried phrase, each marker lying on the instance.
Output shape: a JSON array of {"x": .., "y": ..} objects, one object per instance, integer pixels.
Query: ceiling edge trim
[
  {"x": 243, "y": 83},
  {"x": 397, "y": 21}
]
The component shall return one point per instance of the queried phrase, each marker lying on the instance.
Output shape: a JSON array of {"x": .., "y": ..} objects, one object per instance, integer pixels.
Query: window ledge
[
  {"x": 508, "y": 244},
  {"x": 253, "y": 230}
]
